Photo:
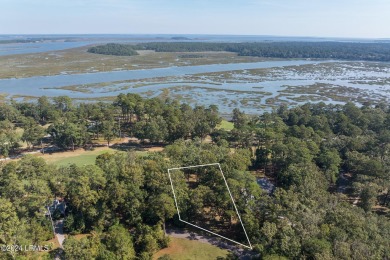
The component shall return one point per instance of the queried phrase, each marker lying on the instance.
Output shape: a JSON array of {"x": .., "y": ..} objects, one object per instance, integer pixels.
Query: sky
[{"x": 317, "y": 18}]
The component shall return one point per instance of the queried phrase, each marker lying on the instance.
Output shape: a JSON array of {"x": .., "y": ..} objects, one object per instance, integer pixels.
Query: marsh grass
[{"x": 78, "y": 60}]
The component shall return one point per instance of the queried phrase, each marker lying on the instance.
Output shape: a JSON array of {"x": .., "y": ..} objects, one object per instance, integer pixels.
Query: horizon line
[{"x": 202, "y": 34}]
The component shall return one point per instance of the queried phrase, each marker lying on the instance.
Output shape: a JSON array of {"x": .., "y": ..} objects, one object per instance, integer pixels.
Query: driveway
[{"x": 59, "y": 230}]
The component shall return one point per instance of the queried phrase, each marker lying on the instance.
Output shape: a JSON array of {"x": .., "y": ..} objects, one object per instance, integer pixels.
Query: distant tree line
[
  {"x": 16, "y": 41},
  {"x": 27, "y": 40},
  {"x": 301, "y": 50},
  {"x": 114, "y": 49},
  {"x": 285, "y": 50}
]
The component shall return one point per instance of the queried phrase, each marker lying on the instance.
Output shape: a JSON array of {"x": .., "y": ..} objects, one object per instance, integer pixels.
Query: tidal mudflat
[{"x": 253, "y": 89}]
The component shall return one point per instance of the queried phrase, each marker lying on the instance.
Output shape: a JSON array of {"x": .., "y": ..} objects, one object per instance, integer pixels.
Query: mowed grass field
[
  {"x": 184, "y": 249},
  {"x": 79, "y": 157}
]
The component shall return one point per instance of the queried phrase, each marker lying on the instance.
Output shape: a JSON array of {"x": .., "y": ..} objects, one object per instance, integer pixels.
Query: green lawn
[
  {"x": 79, "y": 157},
  {"x": 226, "y": 125},
  {"x": 78, "y": 160},
  {"x": 184, "y": 249}
]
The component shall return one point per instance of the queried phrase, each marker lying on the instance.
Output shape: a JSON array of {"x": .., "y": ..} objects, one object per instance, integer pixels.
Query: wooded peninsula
[{"x": 376, "y": 51}]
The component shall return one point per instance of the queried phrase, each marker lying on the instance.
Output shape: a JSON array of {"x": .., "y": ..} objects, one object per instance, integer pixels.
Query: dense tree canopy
[
  {"x": 114, "y": 49},
  {"x": 316, "y": 50},
  {"x": 330, "y": 165}
]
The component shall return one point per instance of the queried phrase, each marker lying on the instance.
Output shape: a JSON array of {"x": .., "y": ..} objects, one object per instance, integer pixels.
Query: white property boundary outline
[{"x": 234, "y": 204}]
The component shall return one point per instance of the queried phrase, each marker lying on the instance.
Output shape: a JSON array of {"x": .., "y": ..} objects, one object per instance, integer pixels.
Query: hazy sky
[{"x": 337, "y": 18}]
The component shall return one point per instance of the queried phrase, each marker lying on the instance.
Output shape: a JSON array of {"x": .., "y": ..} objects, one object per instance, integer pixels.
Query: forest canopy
[
  {"x": 114, "y": 49},
  {"x": 330, "y": 165},
  {"x": 377, "y": 51}
]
